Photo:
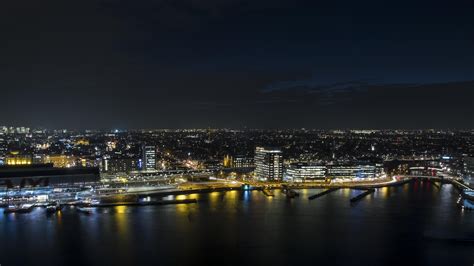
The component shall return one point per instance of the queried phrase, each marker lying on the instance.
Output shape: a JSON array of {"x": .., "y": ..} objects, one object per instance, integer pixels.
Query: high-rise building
[
  {"x": 469, "y": 170},
  {"x": 149, "y": 157},
  {"x": 3, "y": 149},
  {"x": 269, "y": 164}
]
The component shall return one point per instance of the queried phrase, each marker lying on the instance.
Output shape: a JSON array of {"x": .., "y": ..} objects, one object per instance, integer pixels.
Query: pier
[
  {"x": 268, "y": 192},
  {"x": 290, "y": 193},
  {"x": 327, "y": 191},
  {"x": 362, "y": 195},
  {"x": 436, "y": 185}
]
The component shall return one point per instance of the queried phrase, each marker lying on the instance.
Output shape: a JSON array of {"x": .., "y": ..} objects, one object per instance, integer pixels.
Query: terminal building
[
  {"x": 21, "y": 180},
  {"x": 269, "y": 164},
  {"x": 306, "y": 172}
]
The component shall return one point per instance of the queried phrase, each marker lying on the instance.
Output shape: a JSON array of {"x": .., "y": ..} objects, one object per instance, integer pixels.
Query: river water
[{"x": 409, "y": 225}]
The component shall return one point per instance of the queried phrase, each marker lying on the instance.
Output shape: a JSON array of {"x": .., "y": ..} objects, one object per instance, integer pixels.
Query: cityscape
[{"x": 236, "y": 132}]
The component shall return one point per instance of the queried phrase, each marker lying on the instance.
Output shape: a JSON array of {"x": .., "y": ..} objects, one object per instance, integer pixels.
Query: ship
[
  {"x": 53, "y": 207},
  {"x": 468, "y": 194},
  {"x": 86, "y": 210},
  {"x": 24, "y": 208}
]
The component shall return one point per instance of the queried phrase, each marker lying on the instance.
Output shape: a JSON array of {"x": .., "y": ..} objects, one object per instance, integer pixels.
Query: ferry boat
[
  {"x": 24, "y": 208},
  {"x": 53, "y": 207},
  {"x": 468, "y": 194},
  {"x": 86, "y": 210}
]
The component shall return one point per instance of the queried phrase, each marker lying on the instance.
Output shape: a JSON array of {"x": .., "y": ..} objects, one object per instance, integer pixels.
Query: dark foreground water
[{"x": 408, "y": 225}]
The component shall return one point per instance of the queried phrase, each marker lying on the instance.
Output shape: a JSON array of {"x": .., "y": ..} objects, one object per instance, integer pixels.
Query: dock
[
  {"x": 327, "y": 191},
  {"x": 268, "y": 192},
  {"x": 436, "y": 185},
  {"x": 290, "y": 193},
  {"x": 362, "y": 195}
]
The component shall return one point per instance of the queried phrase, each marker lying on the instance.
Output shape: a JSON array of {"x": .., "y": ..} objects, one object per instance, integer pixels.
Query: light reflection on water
[{"x": 271, "y": 230}]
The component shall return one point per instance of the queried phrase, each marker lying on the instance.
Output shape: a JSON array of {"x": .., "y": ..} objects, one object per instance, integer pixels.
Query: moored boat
[
  {"x": 24, "y": 208},
  {"x": 468, "y": 194},
  {"x": 53, "y": 207},
  {"x": 86, "y": 210}
]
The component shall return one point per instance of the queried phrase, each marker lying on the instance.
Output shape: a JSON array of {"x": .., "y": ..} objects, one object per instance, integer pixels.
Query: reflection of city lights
[
  {"x": 120, "y": 209},
  {"x": 181, "y": 197}
]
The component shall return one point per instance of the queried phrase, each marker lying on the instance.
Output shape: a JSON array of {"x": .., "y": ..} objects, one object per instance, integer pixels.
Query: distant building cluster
[{"x": 270, "y": 155}]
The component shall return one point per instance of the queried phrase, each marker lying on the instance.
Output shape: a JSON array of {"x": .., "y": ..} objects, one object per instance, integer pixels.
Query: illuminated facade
[
  {"x": 351, "y": 171},
  {"x": 149, "y": 157},
  {"x": 227, "y": 161},
  {"x": 43, "y": 181},
  {"x": 306, "y": 172},
  {"x": 61, "y": 161},
  {"x": 14, "y": 158},
  {"x": 3, "y": 149},
  {"x": 468, "y": 170},
  {"x": 83, "y": 142},
  {"x": 122, "y": 165},
  {"x": 243, "y": 162},
  {"x": 269, "y": 164}
]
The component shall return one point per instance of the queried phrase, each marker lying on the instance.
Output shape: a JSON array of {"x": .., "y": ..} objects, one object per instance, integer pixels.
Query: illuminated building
[
  {"x": 61, "y": 161},
  {"x": 121, "y": 165},
  {"x": 269, "y": 164},
  {"x": 305, "y": 172},
  {"x": 44, "y": 180},
  {"x": 3, "y": 149},
  {"x": 227, "y": 161},
  {"x": 149, "y": 157},
  {"x": 468, "y": 170},
  {"x": 243, "y": 162},
  {"x": 350, "y": 171},
  {"x": 17, "y": 159},
  {"x": 111, "y": 145},
  {"x": 84, "y": 142}
]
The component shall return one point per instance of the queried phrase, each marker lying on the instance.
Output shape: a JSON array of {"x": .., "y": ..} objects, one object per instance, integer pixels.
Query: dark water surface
[{"x": 408, "y": 225}]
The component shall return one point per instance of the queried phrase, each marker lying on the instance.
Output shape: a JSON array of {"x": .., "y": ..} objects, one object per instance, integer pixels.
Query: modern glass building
[
  {"x": 351, "y": 171},
  {"x": 269, "y": 164},
  {"x": 306, "y": 172}
]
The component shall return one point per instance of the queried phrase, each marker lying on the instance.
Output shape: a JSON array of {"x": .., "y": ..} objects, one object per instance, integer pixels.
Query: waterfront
[{"x": 414, "y": 223}]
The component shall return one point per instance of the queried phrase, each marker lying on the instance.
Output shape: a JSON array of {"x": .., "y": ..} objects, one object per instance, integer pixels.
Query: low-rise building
[{"x": 306, "y": 172}]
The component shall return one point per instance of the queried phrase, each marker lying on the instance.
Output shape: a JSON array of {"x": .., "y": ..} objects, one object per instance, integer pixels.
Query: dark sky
[{"x": 236, "y": 63}]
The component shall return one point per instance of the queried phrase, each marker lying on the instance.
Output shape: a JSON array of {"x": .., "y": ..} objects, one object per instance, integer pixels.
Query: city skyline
[{"x": 237, "y": 132}]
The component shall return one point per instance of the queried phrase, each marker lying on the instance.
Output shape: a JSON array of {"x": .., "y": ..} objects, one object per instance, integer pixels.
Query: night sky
[{"x": 230, "y": 63}]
